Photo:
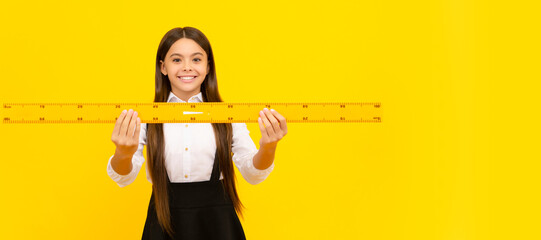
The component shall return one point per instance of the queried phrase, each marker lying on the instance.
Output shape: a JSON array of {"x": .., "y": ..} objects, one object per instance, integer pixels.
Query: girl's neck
[{"x": 186, "y": 96}]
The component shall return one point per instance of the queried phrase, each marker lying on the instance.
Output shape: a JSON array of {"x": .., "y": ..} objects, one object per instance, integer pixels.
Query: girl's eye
[
  {"x": 174, "y": 60},
  {"x": 197, "y": 59}
]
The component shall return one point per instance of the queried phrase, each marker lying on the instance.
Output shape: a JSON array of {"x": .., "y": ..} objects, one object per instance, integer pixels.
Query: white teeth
[{"x": 187, "y": 78}]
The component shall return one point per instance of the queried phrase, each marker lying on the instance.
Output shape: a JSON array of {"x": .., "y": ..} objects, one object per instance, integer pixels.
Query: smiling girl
[{"x": 190, "y": 165}]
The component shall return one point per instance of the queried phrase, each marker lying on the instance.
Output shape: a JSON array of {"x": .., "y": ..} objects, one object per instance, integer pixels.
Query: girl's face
[{"x": 186, "y": 65}]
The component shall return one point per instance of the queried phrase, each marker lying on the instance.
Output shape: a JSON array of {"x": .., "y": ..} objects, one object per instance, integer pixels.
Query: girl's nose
[{"x": 187, "y": 67}]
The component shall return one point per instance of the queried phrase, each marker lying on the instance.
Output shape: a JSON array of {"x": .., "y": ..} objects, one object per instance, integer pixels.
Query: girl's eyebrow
[{"x": 181, "y": 55}]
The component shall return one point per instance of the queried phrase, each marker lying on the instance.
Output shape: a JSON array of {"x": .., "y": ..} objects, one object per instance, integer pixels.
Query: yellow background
[{"x": 453, "y": 159}]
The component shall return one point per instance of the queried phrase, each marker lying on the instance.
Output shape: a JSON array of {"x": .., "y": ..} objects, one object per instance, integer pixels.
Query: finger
[
  {"x": 137, "y": 129},
  {"x": 282, "y": 119},
  {"x": 268, "y": 125},
  {"x": 118, "y": 123},
  {"x": 125, "y": 123},
  {"x": 274, "y": 122},
  {"x": 264, "y": 133},
  {"x": 131, "y": 127}
]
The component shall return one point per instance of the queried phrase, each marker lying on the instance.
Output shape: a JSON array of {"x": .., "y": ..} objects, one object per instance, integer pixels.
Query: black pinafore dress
[{"x": 199, "y": 210}]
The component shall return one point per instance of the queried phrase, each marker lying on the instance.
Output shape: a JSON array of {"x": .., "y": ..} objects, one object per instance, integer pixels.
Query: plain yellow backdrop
[{"x": 431, "y": 170}]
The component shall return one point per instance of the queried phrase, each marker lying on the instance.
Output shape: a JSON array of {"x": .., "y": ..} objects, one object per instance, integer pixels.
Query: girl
[{"x": 190, "y": 165}]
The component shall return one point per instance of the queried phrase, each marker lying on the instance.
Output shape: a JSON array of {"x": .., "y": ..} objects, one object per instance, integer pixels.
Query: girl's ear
[
  {"x": 162, "y": 68},
  {"x": 208, "y": 68}
]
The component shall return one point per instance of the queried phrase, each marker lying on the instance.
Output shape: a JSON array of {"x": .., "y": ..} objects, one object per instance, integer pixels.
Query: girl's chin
[{"x": 187, "y": 87}]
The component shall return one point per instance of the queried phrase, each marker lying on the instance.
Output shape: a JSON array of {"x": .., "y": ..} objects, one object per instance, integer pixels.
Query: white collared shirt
[{"x": 190, "y": 149}]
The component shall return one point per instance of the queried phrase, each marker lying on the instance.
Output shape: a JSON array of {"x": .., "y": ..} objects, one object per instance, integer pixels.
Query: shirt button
[
  {"x": 186, "y": 176},
  {"x": 186, "y": 125},
  {"x": 186, "y": 149}
]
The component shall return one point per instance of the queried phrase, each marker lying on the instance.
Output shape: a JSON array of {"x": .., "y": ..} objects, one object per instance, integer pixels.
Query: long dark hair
[{"x": 155, "y": 137}]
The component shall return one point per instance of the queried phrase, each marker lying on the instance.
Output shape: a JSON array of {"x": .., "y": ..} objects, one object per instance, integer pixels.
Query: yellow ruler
[{"x": 205, "y": 112}]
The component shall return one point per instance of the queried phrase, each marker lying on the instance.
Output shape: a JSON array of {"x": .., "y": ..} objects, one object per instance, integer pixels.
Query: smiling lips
[{"x": 186, "y": 79}]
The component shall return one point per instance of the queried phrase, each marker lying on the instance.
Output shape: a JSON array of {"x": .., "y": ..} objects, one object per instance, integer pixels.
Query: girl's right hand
[{"x": 124, "y": 137}]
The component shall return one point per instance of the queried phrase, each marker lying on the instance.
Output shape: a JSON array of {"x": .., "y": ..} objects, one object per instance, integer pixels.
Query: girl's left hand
[{"x": 275, "y": 127}]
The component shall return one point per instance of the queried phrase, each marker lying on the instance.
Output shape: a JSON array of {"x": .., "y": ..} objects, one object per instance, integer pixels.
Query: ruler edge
[{"x": 203, "y": 103}]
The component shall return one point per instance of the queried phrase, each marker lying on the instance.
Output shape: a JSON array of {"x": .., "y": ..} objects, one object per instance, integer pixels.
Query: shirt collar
[{"x": 196, "y": 98}]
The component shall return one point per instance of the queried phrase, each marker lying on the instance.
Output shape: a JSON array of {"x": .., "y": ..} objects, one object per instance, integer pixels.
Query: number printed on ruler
[{"x": 205, "y": 112}]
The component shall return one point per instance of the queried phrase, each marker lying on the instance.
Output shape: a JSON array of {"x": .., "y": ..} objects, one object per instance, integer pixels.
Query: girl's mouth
[{"x": 186, "y": 79}]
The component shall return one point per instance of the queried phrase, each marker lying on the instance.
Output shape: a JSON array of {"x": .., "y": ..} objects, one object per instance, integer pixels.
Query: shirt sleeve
[
  {"x": 244, "y": 150},
  {"x": 137, "y": 161}
]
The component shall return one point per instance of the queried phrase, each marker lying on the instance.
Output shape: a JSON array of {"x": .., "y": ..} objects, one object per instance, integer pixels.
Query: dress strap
[{"x": 215, "y": 177}]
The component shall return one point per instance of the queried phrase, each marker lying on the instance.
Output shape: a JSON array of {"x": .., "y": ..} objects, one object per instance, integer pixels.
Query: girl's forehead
[{"x": 185, "y": 47}]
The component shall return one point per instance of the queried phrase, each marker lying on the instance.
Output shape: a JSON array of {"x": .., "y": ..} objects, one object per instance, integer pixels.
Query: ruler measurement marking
[{"x": 221, "y": 112}]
